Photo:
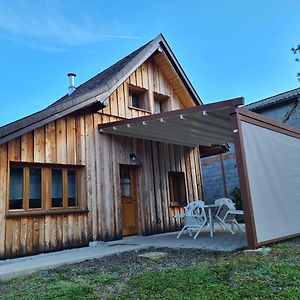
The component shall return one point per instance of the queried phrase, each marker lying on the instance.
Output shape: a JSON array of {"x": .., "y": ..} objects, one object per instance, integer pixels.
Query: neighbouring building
[{"x": 219, "y": 172}]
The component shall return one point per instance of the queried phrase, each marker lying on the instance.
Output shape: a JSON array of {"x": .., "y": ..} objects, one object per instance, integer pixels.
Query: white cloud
[{"x": 46, "y": 26}]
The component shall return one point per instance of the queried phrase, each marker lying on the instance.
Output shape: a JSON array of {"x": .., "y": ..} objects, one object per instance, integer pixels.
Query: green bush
[
  {"x": 236, "y": 196},
  {"x": 237, "y": 199}
]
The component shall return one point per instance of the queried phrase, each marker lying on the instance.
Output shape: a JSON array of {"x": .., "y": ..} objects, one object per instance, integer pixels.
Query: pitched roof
[
  {"x": 101, "y": 78},
  {"x": 96, "y": 90},
  {"x": 274, "y": 100}
]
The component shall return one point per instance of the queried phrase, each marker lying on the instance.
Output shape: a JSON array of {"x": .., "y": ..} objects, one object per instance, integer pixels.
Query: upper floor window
[
  {"x": 160, "y": 103},
  {"x": 138, "y": 98},
  {"x": 157, "y": 106},
  {"x": 42, "y": 188}
]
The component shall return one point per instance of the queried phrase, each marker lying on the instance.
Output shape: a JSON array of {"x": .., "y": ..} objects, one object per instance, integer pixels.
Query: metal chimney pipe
[{"x": 72, "y": 87}]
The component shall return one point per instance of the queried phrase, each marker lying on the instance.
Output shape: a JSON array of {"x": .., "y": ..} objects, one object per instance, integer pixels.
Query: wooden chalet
[
  {"x": 64, "y": 184},
  {"x": 119, "y": 155}
]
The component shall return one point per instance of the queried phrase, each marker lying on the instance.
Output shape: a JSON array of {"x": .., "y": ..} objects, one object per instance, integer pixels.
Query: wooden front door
[{"x": 128, "y": 200}]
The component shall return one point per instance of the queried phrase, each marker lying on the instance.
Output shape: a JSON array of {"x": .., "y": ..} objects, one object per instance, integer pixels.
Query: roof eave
[
  {"x": 180, "y": 70},
  {"x": 29, "y": 123}
]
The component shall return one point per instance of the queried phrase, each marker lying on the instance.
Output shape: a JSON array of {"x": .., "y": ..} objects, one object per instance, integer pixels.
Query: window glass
[
  {"x": 126, "y": 184},
  {"x": 35, "y": 188},
  {"x": 26, "y": 187},
  {"x": 126, "y": 190},
  {"x": 16, "y": 188},
  {"x": 57, "y": 191},
  {"x": 136, "y": 100},
  {"x": 72, "y": 188},
  {"x": 157, "y": 106}
]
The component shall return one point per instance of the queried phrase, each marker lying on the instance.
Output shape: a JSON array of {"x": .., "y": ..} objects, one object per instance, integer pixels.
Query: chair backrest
[
  {"x": 192, "y": 206},
  {"x": 224, "y": 204},
  {"x": 196, "y": 208}
]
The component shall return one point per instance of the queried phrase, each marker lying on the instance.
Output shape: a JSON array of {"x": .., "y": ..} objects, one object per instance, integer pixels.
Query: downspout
[
  {"x": 287, "y": 116},
  {"x": 223, "y": 175}
]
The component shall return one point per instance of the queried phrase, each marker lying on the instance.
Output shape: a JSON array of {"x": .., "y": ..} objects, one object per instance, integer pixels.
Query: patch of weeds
[
  {"x": 57, "y": 290},
  {"x": 246, "y": 277},
  {"x": 156, "y": 259},
  {"x": 175, "y": 284},
  {"x": 103, "y": 279},
  {"x": 115, "y": 269}
]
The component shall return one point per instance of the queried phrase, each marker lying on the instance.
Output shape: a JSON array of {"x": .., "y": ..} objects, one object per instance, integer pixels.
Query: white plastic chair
[
  {"x": 188, "y": 209},
  {"x": 225, "y": 215},
  {"x": 194, "y": 218}
]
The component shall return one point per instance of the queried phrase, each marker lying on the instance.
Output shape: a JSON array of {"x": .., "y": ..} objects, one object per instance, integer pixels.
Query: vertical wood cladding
[
  {"x": 26, "y": 235},
  {"x": 75, "y": 140}
]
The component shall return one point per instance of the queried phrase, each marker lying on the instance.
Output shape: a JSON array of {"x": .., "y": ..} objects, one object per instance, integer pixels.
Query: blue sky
[{"x": 227, "y": 48}]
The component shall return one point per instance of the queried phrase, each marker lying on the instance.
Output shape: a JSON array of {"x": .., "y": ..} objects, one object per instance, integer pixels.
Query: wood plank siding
[{"x": 74, "y": 140}]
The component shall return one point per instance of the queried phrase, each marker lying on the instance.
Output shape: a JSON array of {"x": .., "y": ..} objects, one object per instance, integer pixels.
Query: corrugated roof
[{"x": 280, "y": 98}]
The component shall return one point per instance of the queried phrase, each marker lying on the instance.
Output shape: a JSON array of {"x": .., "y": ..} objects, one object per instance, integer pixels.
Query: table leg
[
  {"x": 213, "y": 224},
  {"x": 210, "y": 222}
]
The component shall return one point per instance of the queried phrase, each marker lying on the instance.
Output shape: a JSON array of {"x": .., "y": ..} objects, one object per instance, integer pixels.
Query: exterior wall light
[{"x": 132, "y": 156}]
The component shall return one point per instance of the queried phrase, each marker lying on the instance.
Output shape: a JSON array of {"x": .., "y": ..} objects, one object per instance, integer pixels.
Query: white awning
[{"x": 200, "y": 125}]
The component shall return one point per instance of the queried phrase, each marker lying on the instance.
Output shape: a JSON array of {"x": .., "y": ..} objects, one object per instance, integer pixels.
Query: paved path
[
  {"x": 12, "y": 268},
  {"x": 222, "y": 241}
]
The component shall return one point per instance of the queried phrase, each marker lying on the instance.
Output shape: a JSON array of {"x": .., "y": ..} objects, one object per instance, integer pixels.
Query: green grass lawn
[{"x": 181, "y": 274}]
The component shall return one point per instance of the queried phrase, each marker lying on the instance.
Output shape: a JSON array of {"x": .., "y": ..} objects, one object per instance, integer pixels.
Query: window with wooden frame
[
  {"x": 138, "y": 98},
  {"x": 39, "y": 188},
  {"x": 57, "y": 182},
  {"x": 160, "y": 103},
  {"x": 64, "y": 188},
  {"x": 16, "y": 188},
  {"x": 35, "y": 188},
  {"x": 177, "y": 189},
  {"x": 25, "y": 189}
]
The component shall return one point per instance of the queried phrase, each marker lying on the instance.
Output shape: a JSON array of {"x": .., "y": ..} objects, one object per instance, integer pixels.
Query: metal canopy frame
[
  {"x": 240, "y": 115},
  {"x": 213, "y": 123},
  {"x": 201, "y": 125}
]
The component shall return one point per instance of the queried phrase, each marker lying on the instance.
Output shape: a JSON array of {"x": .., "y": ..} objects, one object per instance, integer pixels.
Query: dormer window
[
  {"x": 157, "y": 106},
  {"x": 160, "y": 103},
  {"x": 138, "y": 98}
]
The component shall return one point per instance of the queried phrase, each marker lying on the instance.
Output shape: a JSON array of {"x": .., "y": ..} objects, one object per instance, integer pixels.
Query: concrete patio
[{"x": 222, "y": 241}]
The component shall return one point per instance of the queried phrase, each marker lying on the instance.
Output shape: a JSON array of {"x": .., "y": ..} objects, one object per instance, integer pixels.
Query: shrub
[{"x": 237, "y": 199}]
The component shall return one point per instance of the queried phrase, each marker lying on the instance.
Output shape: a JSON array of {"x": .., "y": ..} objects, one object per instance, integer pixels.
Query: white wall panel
[{"x": 273, "y": 165}]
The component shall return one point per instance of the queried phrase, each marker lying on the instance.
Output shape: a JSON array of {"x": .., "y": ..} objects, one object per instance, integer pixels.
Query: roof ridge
[{"x": 271, "y": 97}]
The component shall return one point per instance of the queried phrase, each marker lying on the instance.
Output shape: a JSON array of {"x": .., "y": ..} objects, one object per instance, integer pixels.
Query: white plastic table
[{"x": 209, "y": 208}]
